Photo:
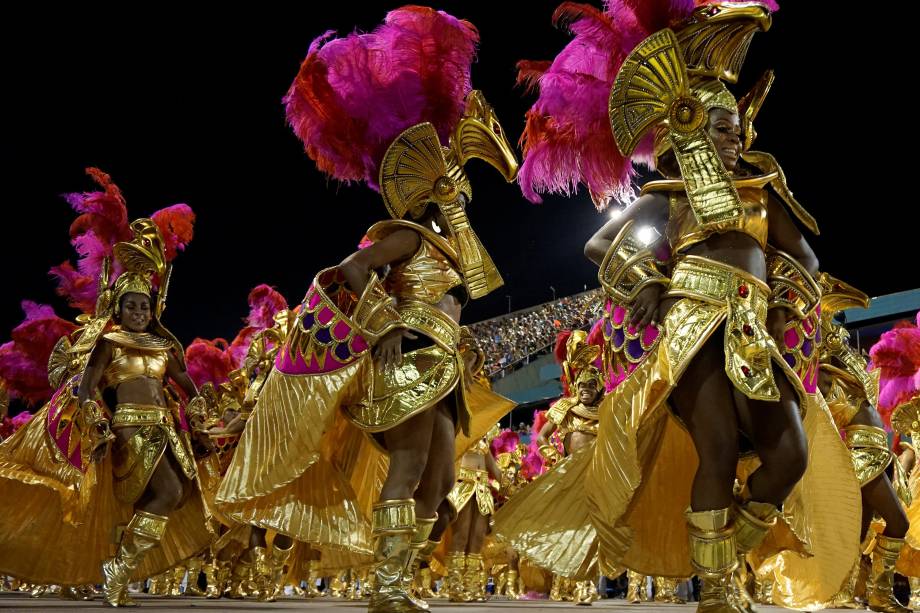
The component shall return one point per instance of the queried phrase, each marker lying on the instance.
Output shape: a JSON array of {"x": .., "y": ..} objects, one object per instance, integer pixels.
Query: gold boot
[
  {"x": 393, "y": 527},
  {"x": 337, "y": 586},
  {"x": 159, "y": 584},
  {"x": 456, "y": 571},
  {"x": 881, "y": 594},
  {"x": 752, "y": 523},
  {"x": 555, "y": 592},
  {"x": 313, "y": 574},
  {"x": 175, "y": 584},
  {"x": 636, "y": 590},
  {"x": 512, "y": 590},
  {"x": 423, "y": 584},
  {"x": 666, "y": 590},
  {"x": 714, "y": 556},
  {"x": 212, "y": 576},
  {"x": 473, "y": 584},
  {"x": 276, "y": 574},
  {"x": 914, "y": 593},
  {"x": 585, "y": 592},
  {"x": 194, "y": 570},
  {"x": 241, "y": 576},
  {"x": 142, "y": 533},
  {"x": 420, "y": 548}
]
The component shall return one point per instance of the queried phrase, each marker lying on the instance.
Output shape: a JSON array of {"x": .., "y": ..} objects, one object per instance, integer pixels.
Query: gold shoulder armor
[{"x": 767, "y": 163}]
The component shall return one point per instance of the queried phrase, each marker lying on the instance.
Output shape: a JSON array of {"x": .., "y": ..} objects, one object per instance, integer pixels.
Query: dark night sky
[{"x": 186, "y": 108}]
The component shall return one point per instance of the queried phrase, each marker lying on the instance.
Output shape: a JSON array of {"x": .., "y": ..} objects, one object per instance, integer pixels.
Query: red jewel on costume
[
  {"x": 743, "y": 291},
  {"x": 746, "y": 371},
  {"x": 748, "y": 330}
]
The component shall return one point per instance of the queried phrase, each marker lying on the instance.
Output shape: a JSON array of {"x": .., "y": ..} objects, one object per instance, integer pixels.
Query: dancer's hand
[
  {"x": 776, "y": 326},
  {"x": 388, "y": 351},
  {"x": 643, "y": 310}
]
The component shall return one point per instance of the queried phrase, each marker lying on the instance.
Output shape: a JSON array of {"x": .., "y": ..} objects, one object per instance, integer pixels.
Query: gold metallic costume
[
  {"x": 548, "y": 521},
  {"x": 644, "y": 461},
  {"x": 473, "y": 483},
  {"x": 60, "y": 510},
  {"x": 309, "y": 464}
]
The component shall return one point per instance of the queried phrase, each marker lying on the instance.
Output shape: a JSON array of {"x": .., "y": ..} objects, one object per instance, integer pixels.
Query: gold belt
[
  {"x": 431, "y": 322},
  {"x": 714, "y": 282},
  {"x": 473, "y": 475},
  {"x": 129, "y": 414}
]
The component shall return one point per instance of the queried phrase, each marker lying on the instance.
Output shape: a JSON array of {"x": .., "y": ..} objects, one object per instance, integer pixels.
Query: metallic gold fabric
[
  {"x": 820, "y": 507},
  {"x": 132, "y": 358},
  {"x": 644, "y": 464},
  {"x": 471, "y": 484},
  {"x": 278, "y": 478},
  {"x": 57, "y": 524},
  {"x": 749, "y": 348},
  {"x": 909, "y": 560},
  {"x": 685, "y": 230},
  {"x": 869, "y": 448},
  {"x": 134, "y": 460},
  {"x": 426, "y": 276},
  {"x": 548, "y": 521},
  {"x": 629, "y": 266}
]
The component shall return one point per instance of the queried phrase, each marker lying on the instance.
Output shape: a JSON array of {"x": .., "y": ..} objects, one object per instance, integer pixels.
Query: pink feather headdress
[
  {"x": 897, "y": 356},
  {"x": 103, "y": 221},
  {"x": 24, "y": 359},
  {"x": 354, "y": 95},
  {"x": 567, "y": 140}
]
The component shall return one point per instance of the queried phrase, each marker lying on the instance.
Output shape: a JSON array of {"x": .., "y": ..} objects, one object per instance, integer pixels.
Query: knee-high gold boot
[
  {"x": 417, "y": 544},
  {"x": 881, "y": 595},
  {"x": 714, "y": 556},
  {"x": 313, "y": 573},
  {"x": 666, "y": 590},
  {"x": 393, "y": 527},
  {"x": 142, "y": 533},
  {"x": 275, "y": 573},
  {"x": 585, "y": 592},
  {"x": 240, "y": 581},
  {"x": 424, "y": 582},
  {"x": 175, "y": 585},
  {"x": 752, "y": 523},
  {"x": 914, "y": 593},
  {"x": 474, "y": 585},
  {"x": 195, "y": 566},
  {"x": 456, "y": 570},
  {"x": 635, "y": 590}
]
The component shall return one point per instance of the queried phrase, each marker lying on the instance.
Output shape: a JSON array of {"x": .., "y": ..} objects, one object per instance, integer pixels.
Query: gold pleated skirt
[
  {"x": 548, "y": 521},
  {"x": 640, "y": 477},
  {"x": 57, "y": 524}
]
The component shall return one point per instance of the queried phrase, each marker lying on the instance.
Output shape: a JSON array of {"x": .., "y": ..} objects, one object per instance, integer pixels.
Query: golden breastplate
[
  {"x": 684, "y": 229},
  {"x": 135, "y": 356},
  {"x": 427, "y": 276}
]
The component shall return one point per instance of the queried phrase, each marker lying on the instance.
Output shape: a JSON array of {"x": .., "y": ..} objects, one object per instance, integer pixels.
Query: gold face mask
[{"x": 417, "y": 170}]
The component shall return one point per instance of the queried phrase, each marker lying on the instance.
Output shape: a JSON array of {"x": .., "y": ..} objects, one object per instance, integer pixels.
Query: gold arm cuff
[
  {"x": 869, "y": 450},
  {"x": 375, "y": 313},
  {"x": 393, "y": 517},
  {"x": 148, "y": 524},
  {"x": 469, "y": 344},
  {"x": 628, "y": 267},
  {"x": 791, "y": 286},
  {"x": 423, "y": 528}
]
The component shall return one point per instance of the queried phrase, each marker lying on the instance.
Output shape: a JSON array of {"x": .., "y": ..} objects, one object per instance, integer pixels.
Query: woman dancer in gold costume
[
  {"x": 112, "y": 377},
  {"x": 370, "y": 386},
  {"x": 739, "y": 269}
]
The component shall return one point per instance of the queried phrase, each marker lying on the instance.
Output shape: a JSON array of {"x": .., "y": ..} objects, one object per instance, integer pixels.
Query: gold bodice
[
  {"x": 427, "y": 276},
  {"x": 685, "y": 230},
  {"x": 569, "y": 415},
  {"x": 134, "y": 356}
]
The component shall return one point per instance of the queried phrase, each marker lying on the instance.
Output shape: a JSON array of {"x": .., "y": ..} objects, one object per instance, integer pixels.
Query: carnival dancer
[{"x": 371, "y": 384}]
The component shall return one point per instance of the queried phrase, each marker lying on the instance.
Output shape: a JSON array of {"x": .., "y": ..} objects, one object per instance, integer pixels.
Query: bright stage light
[
  {"x": 615, "y": 213},
  {"x": 646, "y": 234}
]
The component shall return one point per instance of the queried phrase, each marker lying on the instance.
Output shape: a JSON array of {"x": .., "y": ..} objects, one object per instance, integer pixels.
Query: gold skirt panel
[
  {"x": 279, "y": 478},
  {"x": 548, "y": 521},
  {"x": 395, "y": 395},
  {"x": 909, "y": 560},
  {"x": 284, "y": 434},
  {"x": 824, "y": 505},
  {"x": 57, "y": 525},
  {"x": 644, "y": 461},
  {"x": 471, "y": 484},
  {"x": 135, "y": 460}
]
